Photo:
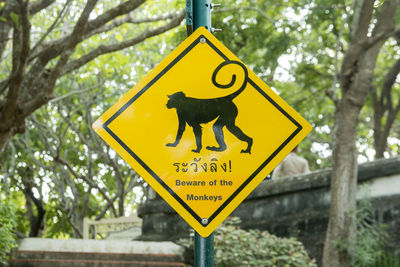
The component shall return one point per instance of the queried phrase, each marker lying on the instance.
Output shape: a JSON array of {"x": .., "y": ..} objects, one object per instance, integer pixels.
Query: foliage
[
  {"x": 296, "y": 47},
  {"x": 58, "y": 164},
  {"x": 237, "y": 247},
  {"x": 370, "y": 237},
  {"x": 276, "y": 41},
  {"x": 67, "y": 167},
  {"x": 53, "y": 38},
  {"x": 368, "y": 246},
  {"x": 8, "y": 220},
  {"x": 368, "y": 23},
  {"x": 386, "y": 259}
]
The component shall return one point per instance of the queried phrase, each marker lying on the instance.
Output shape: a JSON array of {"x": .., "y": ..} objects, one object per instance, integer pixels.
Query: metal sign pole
[
  {"x": 201, "y": 14},
  {"x": 203, "y": 250},
  {"x": 198, "y": 14}
]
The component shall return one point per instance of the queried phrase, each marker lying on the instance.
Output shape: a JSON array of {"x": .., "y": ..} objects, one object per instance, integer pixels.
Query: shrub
[
  {"x": 371, "y": 237},
  {"x": 7, "y": 234},
  {"x": 369, "y": 244},
  {"x": 237, "y": 247}
]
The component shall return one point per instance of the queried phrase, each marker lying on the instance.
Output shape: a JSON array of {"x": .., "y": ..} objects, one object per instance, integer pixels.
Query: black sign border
[{"x": 155, "y": 176}]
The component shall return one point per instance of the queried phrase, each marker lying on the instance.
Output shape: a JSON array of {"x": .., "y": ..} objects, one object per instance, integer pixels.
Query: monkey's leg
[
  {"x": 219, "y": 136},
  {"x": 181, "y": 129},
  {"x": 241, "y": 136},
  {"x": 197, "y": 134}
]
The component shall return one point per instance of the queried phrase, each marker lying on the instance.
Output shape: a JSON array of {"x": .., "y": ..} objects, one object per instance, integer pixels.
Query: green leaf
[
  {"x": 118, "y": 37},
  {"x": 15, "y": 18}
]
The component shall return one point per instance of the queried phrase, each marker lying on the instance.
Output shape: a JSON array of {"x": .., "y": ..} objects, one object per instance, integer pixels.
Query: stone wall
[{"x": 294, "y": 206}]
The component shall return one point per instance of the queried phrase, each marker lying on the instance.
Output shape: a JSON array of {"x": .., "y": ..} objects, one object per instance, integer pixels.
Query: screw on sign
[{"x": 202, "y": 94}]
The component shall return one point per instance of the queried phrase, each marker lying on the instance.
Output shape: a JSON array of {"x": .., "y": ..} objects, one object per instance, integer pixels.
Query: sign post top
[{"x": 202, "y": 129}]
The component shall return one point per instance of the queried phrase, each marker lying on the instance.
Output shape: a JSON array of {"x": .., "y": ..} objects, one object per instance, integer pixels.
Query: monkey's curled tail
[{"x": 233, "y": 81}]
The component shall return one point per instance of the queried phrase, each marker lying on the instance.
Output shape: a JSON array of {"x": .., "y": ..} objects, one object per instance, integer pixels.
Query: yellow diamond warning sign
[{"x": 202, "y": 129}]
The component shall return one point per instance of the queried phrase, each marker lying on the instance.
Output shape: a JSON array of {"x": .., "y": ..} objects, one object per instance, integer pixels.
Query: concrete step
[
  {"x": 41, "y": 252},
  {"x": 60, "y": 259}
]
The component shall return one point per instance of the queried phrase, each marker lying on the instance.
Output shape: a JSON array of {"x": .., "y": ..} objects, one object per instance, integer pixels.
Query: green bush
[
  {"x": 386, "y": 259},
  {"x": 237, "y": 247},
  {"x": 371, "y": 237},
  {"x": 369, "y": 244},
  {"x": 7, "y": 234}
]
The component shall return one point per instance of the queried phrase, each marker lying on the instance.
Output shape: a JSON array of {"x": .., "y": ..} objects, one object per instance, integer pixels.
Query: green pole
[
  {"x": 203, "y": 250},
  {"x": 189, "y": 17},
  {"x": 198, "y": 14},
  {"x": 202, "y": 14}
]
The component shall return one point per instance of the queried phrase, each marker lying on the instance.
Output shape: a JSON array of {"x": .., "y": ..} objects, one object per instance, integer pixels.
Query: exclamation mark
[{"x": 230, "y": 166}]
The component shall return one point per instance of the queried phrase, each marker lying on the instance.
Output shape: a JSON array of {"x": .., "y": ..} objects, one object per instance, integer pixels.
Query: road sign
[{"x": 202, "y": 129}]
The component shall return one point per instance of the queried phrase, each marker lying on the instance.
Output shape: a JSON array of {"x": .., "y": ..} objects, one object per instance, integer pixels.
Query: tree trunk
[
  {"x": 36, "y": 222},
  {"x": 379, "y": 139},
  {"x": 356, "y": 75},
  {"x": 341, "y": 226},
  {"x": 343, "y": 185}
]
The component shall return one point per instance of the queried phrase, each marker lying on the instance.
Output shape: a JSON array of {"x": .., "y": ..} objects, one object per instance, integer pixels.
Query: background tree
[
  {"x": 355, "y": 77},
  {"x": 8, "y": 219},
  {"x": 385, "y": 101},
  {"x": 40, "y": 54},
  {"x": 269, "y": 36},
  {"x": 335, "y": 54},
  {"x": 58, "y": 170}
]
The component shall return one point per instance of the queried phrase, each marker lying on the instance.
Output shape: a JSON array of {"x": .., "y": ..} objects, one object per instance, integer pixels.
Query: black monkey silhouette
[{"x": 194, "y": 111}]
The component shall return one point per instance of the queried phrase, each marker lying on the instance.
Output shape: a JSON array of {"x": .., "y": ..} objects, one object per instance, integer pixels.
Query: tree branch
[
  {"x": 86, "y": 199},
  {"x": 110, "y": 204},
  {"x": 4, "y": 33},
  {"x": 57, "y": 158},
  {"x": 129, "y": 18},
  {"x": 359, "y": 26},
  {"x": 251, "y": 8},
  {"x": 101, "y": 20},
  {"x": 75, "y": 227},
  {"x": 388, "y": 82},
  {"x": 72, "y": 93},
  {"x": 44, "y": 85},
  {"x": 360, "y": 41},
  {"x": 104, "y": 49},
  {"x": 375, "y": 100},
  {"x": 333, "y": 96},
  {"x": 74, "y": 38},
  {"x": 4, "y": 85},
  {"x": 39, "y": 5},
  {"x": 51, "y": 28},
  {"x": 119, "y": 10},
  {"x": 21, "y": 48},
  {"x": 361, "y": 19}
]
